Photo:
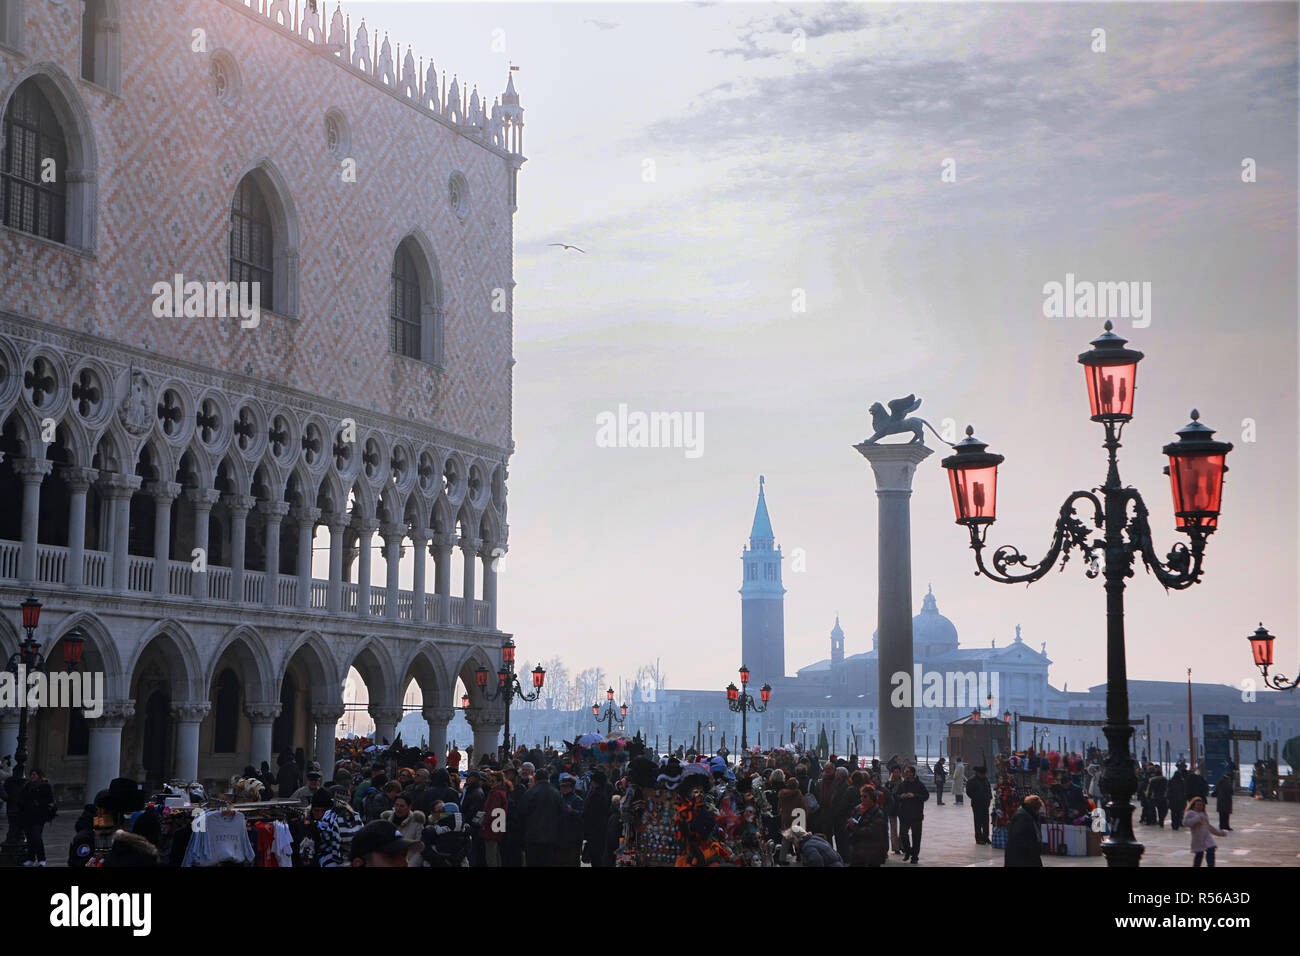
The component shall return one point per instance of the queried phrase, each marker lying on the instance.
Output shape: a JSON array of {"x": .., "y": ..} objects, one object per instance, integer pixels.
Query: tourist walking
[
  {"x": 891, "y": 807},
  {"x": 940, "y": 776},
  {"x": 911, "y": 813},
  {"x": 1158, "y": 791},
  {"x": 958, "y": 782},
  {"x": 981, "y": 798},
  {"x": 1203, "y": 832},
  {"x": 1176, "y": 796},
  {"x": 1223, "y": 798},
  {"x": 35, "y": 809}
]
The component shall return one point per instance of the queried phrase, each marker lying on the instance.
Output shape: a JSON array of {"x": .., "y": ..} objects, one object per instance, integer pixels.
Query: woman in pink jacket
[{"x": 1198, "y": 822}]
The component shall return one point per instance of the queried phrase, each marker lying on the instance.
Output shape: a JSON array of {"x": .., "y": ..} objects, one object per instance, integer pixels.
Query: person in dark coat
[
  {"x": 1176, "y": 796},
  {"x": 540, "y": 811},
  {"x": 1158, "y": 791},
  {"x": 868, "y": 832},
  {"x": 595, "y": 817},
  {"x": 1197, "y": 787},
  {"x": 613, "y": 832},
  {"x": 980, "y": 793},
  {"x": 83, "y": 840},
  {"x": 1223, "y": 797},
  {"x": 940, "y": 776},
  {"x": 1024, "y": 840},
  {"x": 813, "y": 849},
  {"x": 35, "y": 809},
  {"x": 288, "y": 779},
  {"x": 911, "y": 798}
]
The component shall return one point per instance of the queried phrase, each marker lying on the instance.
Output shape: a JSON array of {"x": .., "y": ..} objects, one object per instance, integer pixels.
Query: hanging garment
[{"x": 219, "y": 839}]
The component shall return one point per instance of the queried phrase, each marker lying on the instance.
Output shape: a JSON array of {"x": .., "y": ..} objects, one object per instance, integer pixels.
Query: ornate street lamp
[
  {"x": 22, "y": 663},
  {"x": 1196, "y": 469},
  {"x": 742, "y": 702},
  {"x": 508, "y": 687},
  {"x": 611, "y": 712},
  {"x": 1261, "y": 648}
]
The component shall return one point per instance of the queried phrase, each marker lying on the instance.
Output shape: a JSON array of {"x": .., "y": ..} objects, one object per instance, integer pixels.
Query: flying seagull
[{"x": 565, "y": 245}]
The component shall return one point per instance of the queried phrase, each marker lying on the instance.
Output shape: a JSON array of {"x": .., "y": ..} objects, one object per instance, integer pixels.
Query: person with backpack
[{"x": 379, "y": 801}]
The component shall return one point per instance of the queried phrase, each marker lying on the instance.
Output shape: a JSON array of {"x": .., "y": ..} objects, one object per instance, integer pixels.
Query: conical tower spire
[{"x": 760, "y": 535}]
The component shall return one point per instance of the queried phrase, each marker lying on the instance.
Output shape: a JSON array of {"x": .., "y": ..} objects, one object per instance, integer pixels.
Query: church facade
[{"x": 233, "y": 512}]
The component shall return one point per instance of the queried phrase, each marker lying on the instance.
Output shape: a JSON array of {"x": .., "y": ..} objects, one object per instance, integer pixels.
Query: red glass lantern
[
  {"x": 508, "y": 652},
  {"x": 1111, "y": 373},
  {"x": 502, "y": 676},
  {"x": 464, "y": 701},
  {"x": 539, "y": 676},
  {"x": 744, "y": 674},
  {"x": 973, "y": 478},
  {"x": 31, "y": 613},
  {"x": 481, "y": 676},
  {"x": 595, "y": 710},
  {"x": 1006, "y": 716},
  {"x": 609, "y": 694},
  {"x": 765, "y": 692},
  {"x": 74, "y": 643},
  {"x": 1196, "y": 469},
  {"x": 623, "y": 710},
  {"x": 1261, "y": 647},
  {"x": 733, "y": 693}
]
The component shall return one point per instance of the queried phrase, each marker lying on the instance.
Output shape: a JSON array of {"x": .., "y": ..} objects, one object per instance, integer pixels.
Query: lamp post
[
  {"x": 1196, "y": 469},
  {"x": 508, "y": 687},
  {"x": 742, "y": 702},
  {"x": 1261, "y": 647},
  {"x": 803, "y": 729},
  {"x": 23, "y": 662},
  {"x": 710, "y": 727},
  {"x": 610, "y": 712}
]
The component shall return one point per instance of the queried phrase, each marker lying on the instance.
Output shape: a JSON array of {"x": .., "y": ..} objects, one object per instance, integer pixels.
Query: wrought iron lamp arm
[
  {"x": 1182, "y": 565},
  {"x": 1071, "y": 532},
  {"x": 1279, "y": 682}
]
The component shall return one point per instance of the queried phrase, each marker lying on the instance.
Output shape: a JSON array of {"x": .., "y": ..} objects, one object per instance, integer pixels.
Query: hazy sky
[{"x": 777, "y": 170}]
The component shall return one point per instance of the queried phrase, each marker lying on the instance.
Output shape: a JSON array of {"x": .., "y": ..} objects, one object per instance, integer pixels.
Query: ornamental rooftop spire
[
  {"x": 499, "y": 125},
  {"x": 762, "y": 529}
]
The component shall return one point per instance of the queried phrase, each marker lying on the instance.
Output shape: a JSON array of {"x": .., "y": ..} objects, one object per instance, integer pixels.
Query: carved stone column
[
  {"x": 306, "y": 519},
  {"x": 420, "y": 542},
  {"x": 78, "y": 481},
  {"x": 365, "y": 531},
  {"x": 392, "y": 535},
  {"x": 104, "y": 757},
  {"x": 202, "y": 499},
  {"x": 469, "y": 547},
  {"x": 490, "y": 555},
  {"x": 118, "y": 490},
  {"x": 32, "y": 471},
  {"x": 164, "y": 493},
  {"x": 188, "y": 716},
  {"x": 261, "y": 714},
  {"x": 386, "y": 720},
  {"x": 326, "y": 717},
  {"x": 240, "y": 506},
  {"x": 442, "y": 544},
  {"x": 337, "y": 524},
  {"x": 486, "y": 725},
  {"x": 438, "y": 718},
  {"x": 273, "y": 513}
]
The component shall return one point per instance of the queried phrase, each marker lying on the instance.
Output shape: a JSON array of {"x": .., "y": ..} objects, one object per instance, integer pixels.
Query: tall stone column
[
  {"x": 240, "y": 506},
  {"x": 326, "y": 717},
  {"x": 273, "y": 513},
  {"x": 261, "y": 715},
  {"x": 306, "y": 519},
  {"x": 365, "y": 531},
  {"x": 104, "y": 756},
  {"x": 188, "y": 716},
  {"x": 490, "y": 582},
  {"x": 386, "y": 719},
  {"x": 486, "y": 725},
  {"x": 118, "y": 489},
  {"x": 164, "y": 493},
  {"x": 894, "y": 466},
  {"x": 438, "y": 718},
  {"x": 337, "y": 523},
  {"x": 202, "y": 499},
  {"x": 420, "y": 542},
  {"x": 469, "y": 546},
  {"x": 78, "y": 481},
  {"x": 443, "y": 543},
  {"x": 32, "y": 471},
  {"x": 392, "y": 534}
]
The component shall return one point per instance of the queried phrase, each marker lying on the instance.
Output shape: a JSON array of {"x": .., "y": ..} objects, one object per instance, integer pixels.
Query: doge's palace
[{"x": 255, "y": 376}]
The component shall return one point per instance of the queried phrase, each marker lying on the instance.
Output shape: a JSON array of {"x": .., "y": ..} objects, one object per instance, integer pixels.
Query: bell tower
[{"x": 762, "y": 601}]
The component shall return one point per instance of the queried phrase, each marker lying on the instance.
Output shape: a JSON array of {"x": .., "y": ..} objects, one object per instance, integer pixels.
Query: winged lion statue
[{"x": 896, "y": 422}]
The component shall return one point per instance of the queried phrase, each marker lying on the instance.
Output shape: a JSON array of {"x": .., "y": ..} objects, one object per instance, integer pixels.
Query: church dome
[{"x": 931, "y": 632}]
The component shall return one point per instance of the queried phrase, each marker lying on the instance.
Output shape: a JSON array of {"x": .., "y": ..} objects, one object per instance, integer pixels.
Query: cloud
[{"x": 601, "y": 24}]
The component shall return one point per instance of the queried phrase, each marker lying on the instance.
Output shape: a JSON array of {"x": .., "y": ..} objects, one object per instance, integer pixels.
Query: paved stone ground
[{"x": 1264, "y": 833}]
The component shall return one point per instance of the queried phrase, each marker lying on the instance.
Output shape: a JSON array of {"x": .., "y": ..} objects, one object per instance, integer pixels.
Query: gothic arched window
[
  {"x": 252, "y": 239},
  {"x": 405, "y": 306},
  {"x": 33, "y": 169}
]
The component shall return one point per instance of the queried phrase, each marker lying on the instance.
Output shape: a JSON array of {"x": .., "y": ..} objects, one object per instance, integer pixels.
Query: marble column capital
[
  {"x": 202, "y": 498},
  {"x": 438, "y": 715},
  {"x": 326, "y": 713},
  {"x": 79, "y": 480},
  {"x": 443, "y": 541},
  {"x": 365, "y": 526},
  {"x": 32, "y": 470},
  {"x": 894, "y": 465},
  {"x": 470, "y": 546},
  {"x": 115, "y": 714},
  {"x": 164, "y": 490},
  {"x": 191, "y": 712},
  {"x": 419, "y": 536},
  {"x": 480, "y": 718},
  {"x": 306, "y": 515},
  {"x": 336, "y": 523},
  {"x": 381, "y": 714},
  {"x": 239, "y": 505},
  {"x": 117, "y": 486},
  {"x": 273, "y": 511},
  {"x": 390, "y": 530},
  {"x": 262, "y": 711}
]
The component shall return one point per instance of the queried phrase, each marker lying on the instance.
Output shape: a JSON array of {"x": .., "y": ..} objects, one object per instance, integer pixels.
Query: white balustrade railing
[
  {"x": 139, "y": 573},
  {"x": 10, "y": 554},
  {"x": 481, "y": 613},
  {"x": 431, "y": 603},
  {"x": 378, "y": 601},
  {"x": 51, "y": 564},
  {"x": 458, "y": 612},
  {"x": 286, "y": 592},
  {"x": 94, "y": 572},
  {"x": 405, "y": 604},
  {"x": 218, "y": 583},
  {"x": 320, "y": 595},
  {"x": 180, "y": 578},
  {"x": 254, "y": 587},
  {"x": 349, "y": 594}
]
